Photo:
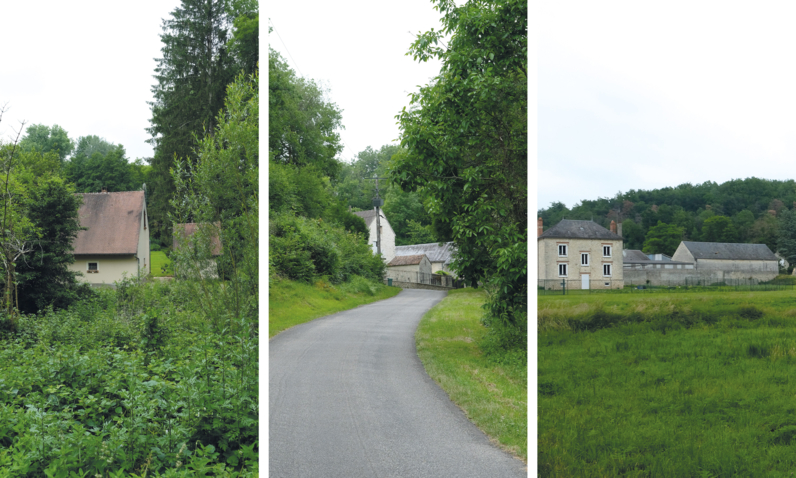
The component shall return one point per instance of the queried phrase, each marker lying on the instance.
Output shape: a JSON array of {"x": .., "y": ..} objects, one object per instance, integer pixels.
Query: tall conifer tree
[{"x": 191, "y": 78}]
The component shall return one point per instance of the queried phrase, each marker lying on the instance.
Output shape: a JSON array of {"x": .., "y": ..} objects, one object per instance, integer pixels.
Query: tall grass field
[
  {"x": 491, "y": 389},
  {"x": 292, "y": 302},
  {"x": 667, "y": 385}
]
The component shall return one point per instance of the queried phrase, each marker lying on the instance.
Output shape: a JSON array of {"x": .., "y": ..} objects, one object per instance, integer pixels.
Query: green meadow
[{"x": 667, "y": 385}]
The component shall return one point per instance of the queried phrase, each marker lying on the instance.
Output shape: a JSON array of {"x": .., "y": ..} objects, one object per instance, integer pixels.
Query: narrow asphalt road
[{"x": 350, "y": 398}]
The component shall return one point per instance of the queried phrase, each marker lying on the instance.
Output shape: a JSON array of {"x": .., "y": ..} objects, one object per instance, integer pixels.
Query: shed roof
[
  {"x": 406, "y": 260},
  {"x": 634, "y": 255},
  {"x": 436, "y": 252},
  {"x": 113, "y": 222},
  {"x": 730, "y": 251},
  {"x": 574, "y": 229},
  {"x": 189, "y": 228}
]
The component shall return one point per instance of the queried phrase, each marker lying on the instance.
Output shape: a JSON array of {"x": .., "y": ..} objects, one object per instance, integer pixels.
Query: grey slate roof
[
  {"x": 369, "y": 216},
  {"x": 572, "y": 229},
  {"x": 728, "y": 251},
  {"x": 634, "y": 255},
  {"x": 434, "y": 251}
]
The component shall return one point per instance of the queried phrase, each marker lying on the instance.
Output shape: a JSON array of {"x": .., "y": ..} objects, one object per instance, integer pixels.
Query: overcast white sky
[
  {"x": 356, "y": 49},
  {"x": 86, "y": 66},
  {"x": 633, "y": 95}
]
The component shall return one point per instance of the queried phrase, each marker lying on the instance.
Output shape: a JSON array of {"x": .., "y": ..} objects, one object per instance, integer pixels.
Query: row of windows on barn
[{"x": 584, "y": 260}]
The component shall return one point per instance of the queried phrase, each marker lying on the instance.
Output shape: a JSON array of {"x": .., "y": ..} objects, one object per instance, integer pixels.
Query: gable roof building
[
  {"x": 386, "y": 233},
  {"x": 116, "y": 239},
  {"x": 582, "y": 254},
  {"x": 735, "y": 261},
  {"x": 439, "y": 254}
]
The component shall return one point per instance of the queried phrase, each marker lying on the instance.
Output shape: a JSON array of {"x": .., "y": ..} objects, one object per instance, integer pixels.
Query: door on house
[{"x": 584, "y": 281}]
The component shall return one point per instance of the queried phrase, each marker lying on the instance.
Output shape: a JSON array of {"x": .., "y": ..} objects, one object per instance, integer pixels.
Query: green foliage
[
  {"x": 220, "y": 193},
  {"x": 663, "y": 239},
  {"x": 44, "y": 277},
  {"x": 106, "y": 168},
  {"x": 192, "y": 77},
  {"x": 787, "y": 236},
  {"x": 102, "y": 387},
  {"x": 45, "y": 139},
  {"x": 465, "y": 141},
  {"x": 719, "y": 229},
  {"x": 301, "y": 123},
  {"x": 302, "y": 249}
]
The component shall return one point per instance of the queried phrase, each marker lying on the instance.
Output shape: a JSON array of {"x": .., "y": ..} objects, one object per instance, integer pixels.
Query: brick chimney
[
  {"x": 613, "y": 226},
  {"x": 539, "y": 227}
]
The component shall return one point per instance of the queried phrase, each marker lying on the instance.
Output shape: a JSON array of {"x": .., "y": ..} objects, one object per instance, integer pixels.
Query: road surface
[{"x": 349, "y": 398}]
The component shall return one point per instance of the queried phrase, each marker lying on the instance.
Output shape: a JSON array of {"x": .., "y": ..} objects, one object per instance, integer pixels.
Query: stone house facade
[
  {"x": 439, "y": 254},
  {"x": 115, "y": 243},
  {"x": 582, "y": 253},
  {"x": 727, "y": 261}
]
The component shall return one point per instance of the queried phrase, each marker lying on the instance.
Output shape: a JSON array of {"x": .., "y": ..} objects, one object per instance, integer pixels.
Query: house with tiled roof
[
  {"x": 581, "y": 254},
  {"x": 115, "y": 241},
  {"x": 386, "y": 232},
  {"x": 184, "y": 237},
  {"x": 729, "y": 260}
]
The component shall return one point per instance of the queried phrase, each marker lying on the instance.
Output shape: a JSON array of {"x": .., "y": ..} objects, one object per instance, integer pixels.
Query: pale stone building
[
  {"x": 116, "y": 241},
  {"x": 722, "y": 262},
  {"x": 387, "y": 234},
  {"x": 415, "y": 268},
  {"x": 582, "y": 253},
  {"x": 439, "y": 254}
]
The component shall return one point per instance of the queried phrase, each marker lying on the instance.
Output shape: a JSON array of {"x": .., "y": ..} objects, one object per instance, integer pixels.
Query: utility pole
[{"x": 378, "y": 202}]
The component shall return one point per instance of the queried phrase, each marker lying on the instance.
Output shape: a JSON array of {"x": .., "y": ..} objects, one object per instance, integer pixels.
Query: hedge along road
[{"x": 349, "y": 398}]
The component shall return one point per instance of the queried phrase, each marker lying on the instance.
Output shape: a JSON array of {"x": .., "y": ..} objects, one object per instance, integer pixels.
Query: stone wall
[
  {"x": 415, "y": 285},
  {"x": 664, "y": 277}
]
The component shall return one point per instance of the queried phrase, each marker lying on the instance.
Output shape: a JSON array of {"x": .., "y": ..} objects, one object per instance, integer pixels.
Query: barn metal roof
[{"x": 436, "y": 252}]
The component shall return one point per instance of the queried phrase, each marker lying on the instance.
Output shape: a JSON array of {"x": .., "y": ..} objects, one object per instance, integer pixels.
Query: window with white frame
[
  {"x": 606, "y": 251},
  {"x": 607, "y": 270},
  {"x": 562, "y": 270},
  {"x": 93, "y": 267},
  {"x": 562, "y": 250},
  {"x": 584, "y": 258}
]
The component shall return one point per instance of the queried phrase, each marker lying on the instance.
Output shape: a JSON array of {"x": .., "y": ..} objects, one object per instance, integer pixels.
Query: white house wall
[
  {"x": 387, "y": 237},
  {"x": 143, "y": 244},
  {"x": 110, "y": 268}
]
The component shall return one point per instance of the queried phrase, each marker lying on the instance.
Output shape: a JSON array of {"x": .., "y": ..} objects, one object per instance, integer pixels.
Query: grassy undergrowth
[
  {"x": 491, "y": 389},
  {"x": 670, "y": 385},
  {"x": 291, "y": 303},
  {"x": 161, "y": 265}
]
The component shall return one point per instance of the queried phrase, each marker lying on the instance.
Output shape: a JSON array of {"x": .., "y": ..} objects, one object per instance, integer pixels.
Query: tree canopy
[
  {"x": 465, "y": 141},
  {"x": 46, "y": 139}
]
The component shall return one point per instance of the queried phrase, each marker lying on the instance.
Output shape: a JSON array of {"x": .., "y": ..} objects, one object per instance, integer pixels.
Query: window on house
[
  {"x": 93, "y": 267},
  {"x": 607, "y": 270},
  {"x": 562, "y": 270},
  {"x": 562, "y": 250},
  {"x": 606, "y": 251},
  {"x": 584, "y": 258}
]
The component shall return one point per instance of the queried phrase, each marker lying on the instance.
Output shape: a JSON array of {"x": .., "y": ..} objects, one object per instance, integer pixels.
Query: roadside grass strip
[
  {"x": 292, "y": 303},
  {"x": 494, "y": 396},
  {"x": 161, "y": 265},
  {"x": 698, "y": 385}
]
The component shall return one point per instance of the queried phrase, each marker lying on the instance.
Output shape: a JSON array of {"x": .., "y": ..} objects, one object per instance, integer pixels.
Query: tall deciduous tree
[
  {"x": 465, "y": 140},
  {"x": 663, "y": 239},
  {"x": 192, "y": 77},
  {"x": 45, "y": 139}
]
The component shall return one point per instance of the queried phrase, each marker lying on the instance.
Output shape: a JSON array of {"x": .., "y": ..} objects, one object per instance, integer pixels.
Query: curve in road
[{"x": 350, "y": 398}]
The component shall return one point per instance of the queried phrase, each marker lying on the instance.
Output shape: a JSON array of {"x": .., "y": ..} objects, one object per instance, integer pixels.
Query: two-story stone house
[{"x": 582, "y": 253}]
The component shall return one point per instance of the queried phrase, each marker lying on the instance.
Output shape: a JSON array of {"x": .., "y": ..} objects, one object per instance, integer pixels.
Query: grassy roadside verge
[
  {"x": 291, "y": 303},
  {"x": 493, "y": 396}
]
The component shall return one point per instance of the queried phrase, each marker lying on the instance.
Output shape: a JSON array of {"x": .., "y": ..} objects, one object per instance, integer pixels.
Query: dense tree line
[
  {"x": 750, "y": 210},
  {"x": 465, "y": 140},
  {"x": 312, "y": 233}
]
